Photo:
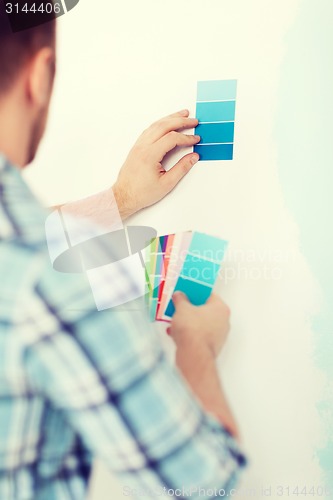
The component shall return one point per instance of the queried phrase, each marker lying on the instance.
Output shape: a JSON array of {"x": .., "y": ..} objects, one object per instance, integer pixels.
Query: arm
[
  {"x": 107, "y": 373},
  {"x": 142, "y": 180},
  {"x": 200, "y": 333},
  {"x": 198, "y": 367}
]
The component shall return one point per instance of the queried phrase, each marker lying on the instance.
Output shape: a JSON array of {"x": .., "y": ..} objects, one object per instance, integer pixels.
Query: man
[{"x": 77, "y": 383}]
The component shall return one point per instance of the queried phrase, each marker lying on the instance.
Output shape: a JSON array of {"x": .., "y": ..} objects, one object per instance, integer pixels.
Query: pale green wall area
[{"x": 304, "y": 133}]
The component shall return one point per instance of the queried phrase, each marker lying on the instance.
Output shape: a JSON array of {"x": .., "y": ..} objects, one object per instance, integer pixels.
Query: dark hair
[{"x": 22, "y": 33}]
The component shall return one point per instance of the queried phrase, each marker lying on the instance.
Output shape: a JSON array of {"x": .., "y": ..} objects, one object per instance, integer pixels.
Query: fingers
[
  {"x": 168, "y": 124},
  {"x": 183, "y": 112},
  {"x": 176, "y": 173},
  {"x": 171, "y": 140},
  {"x": 179, "y": 300}
]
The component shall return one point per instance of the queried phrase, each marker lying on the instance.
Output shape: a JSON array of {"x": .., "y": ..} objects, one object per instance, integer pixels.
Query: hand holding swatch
[{"x": 187, "y": 262}]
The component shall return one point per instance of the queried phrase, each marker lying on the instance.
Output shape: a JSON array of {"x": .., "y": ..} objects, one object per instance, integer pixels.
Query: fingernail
[
  {"x": 184, "y": 112},
  {"x": 194, "y": 159},
  {"x": 197, "y": 137}
]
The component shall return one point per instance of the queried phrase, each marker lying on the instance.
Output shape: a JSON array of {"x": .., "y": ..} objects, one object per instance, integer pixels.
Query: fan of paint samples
[{"x": 188, "y": 262}]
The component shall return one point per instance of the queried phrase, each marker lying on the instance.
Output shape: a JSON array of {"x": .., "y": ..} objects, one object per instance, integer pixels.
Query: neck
[{"x": 13, "y": 131}]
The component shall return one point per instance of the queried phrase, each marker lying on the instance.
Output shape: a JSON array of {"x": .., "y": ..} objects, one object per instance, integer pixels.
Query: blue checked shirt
[{"x": 76, "y": 383}]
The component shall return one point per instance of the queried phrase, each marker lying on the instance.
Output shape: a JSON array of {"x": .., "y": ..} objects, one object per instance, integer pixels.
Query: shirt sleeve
[{"x": 107, "y": 372}]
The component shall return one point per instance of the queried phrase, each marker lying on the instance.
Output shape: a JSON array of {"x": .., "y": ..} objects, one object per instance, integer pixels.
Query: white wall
[{"x": 123, "y": 65}]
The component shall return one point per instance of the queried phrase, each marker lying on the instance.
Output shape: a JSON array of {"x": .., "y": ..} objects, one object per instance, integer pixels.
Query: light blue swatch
[
  {"x": 208, "y": 246},
  {"x": 215, "y": 152},
  {"x": 202, "y": 263},
  {"x": 157, "y": 281},
  {"x": 217, "y": 90},
  {"x": 216, "y": 132},
  {"x": 216, "y": 111}
]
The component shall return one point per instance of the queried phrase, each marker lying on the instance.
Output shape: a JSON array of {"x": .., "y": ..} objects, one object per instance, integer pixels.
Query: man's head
[{"x": 27, "y": 69}]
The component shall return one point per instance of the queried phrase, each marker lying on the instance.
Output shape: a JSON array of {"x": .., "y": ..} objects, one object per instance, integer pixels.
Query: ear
[{"x": 41, "y": 72}]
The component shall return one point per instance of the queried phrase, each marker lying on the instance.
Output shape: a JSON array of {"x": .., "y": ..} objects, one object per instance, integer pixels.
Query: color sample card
[
  {"x": 189, "y": 262},
  {"x": 178, "y": 252},
  {"x": 215, "y": 110},
  {"x": 154, "y": 270},
  {"x": 169, "y": 240},
  {"x": 157, "y": 263},
  {"x": 199, "y": 271}
]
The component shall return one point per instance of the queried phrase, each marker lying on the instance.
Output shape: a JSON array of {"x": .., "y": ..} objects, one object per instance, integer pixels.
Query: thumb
[
  {"x": 179, "y": 298},
  {"x": 176, "y": 173}
]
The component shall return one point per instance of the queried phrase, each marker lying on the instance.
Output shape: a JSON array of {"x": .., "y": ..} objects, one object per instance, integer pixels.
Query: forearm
[
  {"x": 105, "y": 208},
  {"x": 198, "y": 367},
  {"x": 124, "y": 201}
]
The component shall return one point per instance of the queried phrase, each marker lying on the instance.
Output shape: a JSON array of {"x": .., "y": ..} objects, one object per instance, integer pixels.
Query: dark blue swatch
[{"x": 216, "y": 133}]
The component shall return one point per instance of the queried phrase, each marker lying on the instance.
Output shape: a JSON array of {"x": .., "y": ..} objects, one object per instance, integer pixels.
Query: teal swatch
[
  {"x": 215, "y": 152},
  {"x": 196, "y": 293},
  {"x": 216, "y": 132},
  {"x": 202, "y": 270},
  {"x": 216, "y": 111}
]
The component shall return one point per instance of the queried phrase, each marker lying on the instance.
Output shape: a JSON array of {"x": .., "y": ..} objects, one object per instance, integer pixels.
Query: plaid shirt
[{"x": 77, "y": 383}]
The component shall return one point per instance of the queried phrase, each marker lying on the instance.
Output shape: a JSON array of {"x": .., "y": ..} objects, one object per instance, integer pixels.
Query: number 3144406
[{"x": 48, "y": 8}]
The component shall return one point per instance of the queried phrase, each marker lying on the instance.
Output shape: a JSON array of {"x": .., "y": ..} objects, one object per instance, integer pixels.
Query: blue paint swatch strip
[{"x": 215, "y": 110}]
